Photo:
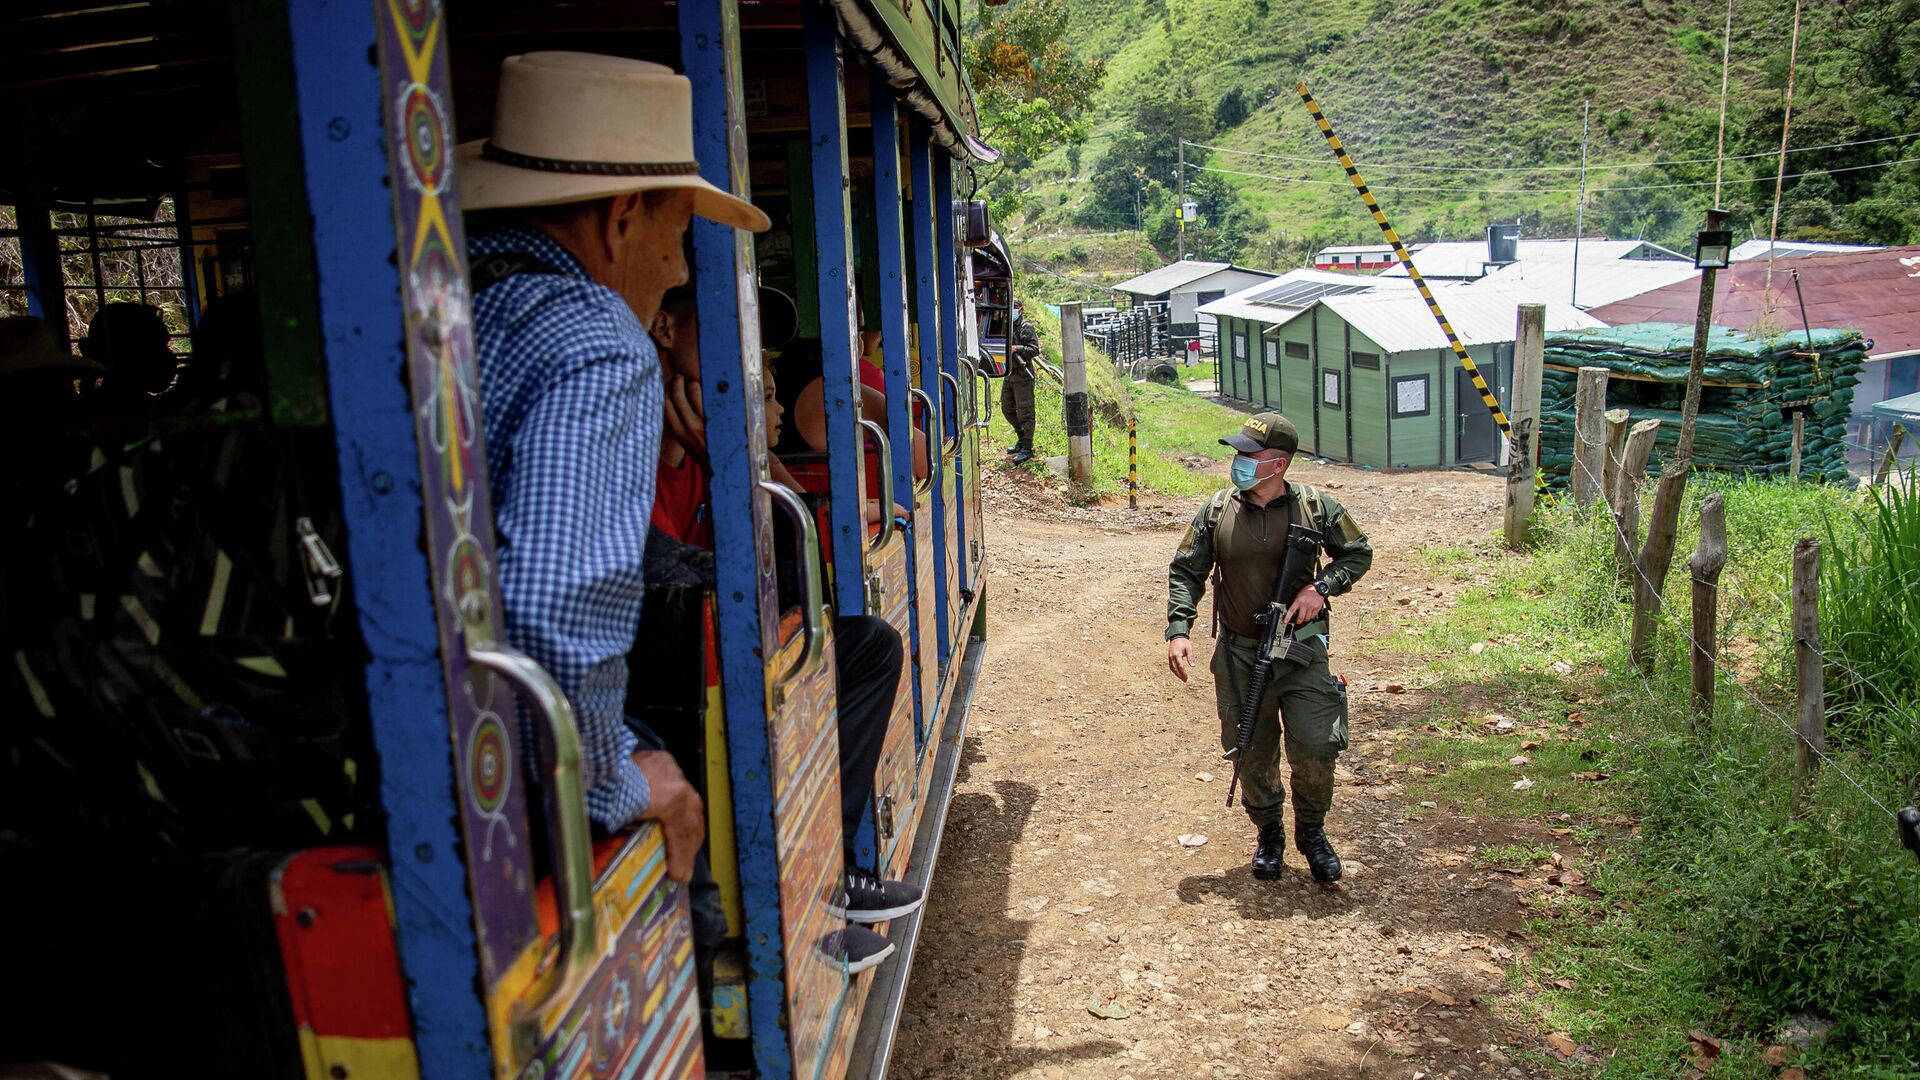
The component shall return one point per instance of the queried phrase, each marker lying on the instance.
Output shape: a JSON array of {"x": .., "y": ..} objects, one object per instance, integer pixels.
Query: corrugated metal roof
[
  {"x": 1874, "y": 292},
  {"x": 1276, "y": 302},
  {"x": 1400, "y": 322},
  {"x": 1359, "y": 249},
  {"x": 1905, "y": 407},
  {"x": 1173, "y": 275},
  {"x": 1467, "y": 259},
  {"x": 1602, "y": 281},
  {"x": 1757, "y": 249}
]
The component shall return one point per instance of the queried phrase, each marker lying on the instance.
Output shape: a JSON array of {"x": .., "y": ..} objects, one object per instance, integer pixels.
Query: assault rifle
[{"x": 1276, "y": 636}]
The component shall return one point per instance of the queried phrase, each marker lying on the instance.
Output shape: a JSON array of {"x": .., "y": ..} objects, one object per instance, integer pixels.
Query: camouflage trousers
[
  {"x": 1016, "y": 404},
  {"x": 1305, "y": 702}
]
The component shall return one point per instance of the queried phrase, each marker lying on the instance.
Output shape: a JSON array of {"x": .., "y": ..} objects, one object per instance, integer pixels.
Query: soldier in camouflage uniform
[
  {"x": 1016, "y": 390},
  {"x": 1239, "y": 537}
]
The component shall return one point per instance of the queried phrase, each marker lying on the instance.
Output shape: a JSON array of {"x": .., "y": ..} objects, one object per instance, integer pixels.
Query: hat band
[{"x": 588, "y": 168}]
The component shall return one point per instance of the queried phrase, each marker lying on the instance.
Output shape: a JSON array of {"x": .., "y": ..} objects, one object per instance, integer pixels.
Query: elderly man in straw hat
[{"x": 589, "y": 184}]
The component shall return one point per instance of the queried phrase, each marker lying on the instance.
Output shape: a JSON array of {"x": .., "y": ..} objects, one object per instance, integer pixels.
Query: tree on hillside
[
  {"x": 1032, "y": 91},
  {"x": 1146, "y": 151}
]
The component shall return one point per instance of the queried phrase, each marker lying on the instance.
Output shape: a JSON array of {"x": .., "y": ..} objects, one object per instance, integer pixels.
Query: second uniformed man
[
  {"x": 1016, "y": 390},
  {"x": 1239, "y": 538}
]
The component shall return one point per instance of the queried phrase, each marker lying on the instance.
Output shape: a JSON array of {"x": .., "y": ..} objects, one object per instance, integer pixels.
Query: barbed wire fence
[{"x": 1906, "y": 821}]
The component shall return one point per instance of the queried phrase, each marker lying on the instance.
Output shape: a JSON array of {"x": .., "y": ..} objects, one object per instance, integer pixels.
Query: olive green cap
[{"x": 1264, "y": 431}]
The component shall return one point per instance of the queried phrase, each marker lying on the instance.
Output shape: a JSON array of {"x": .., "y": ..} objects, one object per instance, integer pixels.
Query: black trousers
[{"x": 867, "y": 655}]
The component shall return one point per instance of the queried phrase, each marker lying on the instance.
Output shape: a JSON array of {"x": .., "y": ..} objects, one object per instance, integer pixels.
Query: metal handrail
[
  {"x": 926, "y": 428},
  {"x": 886, "y": 481},
  {"x": 952, "y": 445},
  {"x": 979, "y": 389},
  {"x": 813, "y": 605},
  {"x": 579, "y": 941}
]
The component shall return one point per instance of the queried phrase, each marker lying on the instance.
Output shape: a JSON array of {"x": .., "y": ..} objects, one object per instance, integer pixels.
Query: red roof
[{"x": 1870, "y": 291}]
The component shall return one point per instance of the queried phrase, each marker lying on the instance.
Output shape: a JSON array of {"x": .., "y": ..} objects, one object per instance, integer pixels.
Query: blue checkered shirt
[{"x": 570, "y": 396}]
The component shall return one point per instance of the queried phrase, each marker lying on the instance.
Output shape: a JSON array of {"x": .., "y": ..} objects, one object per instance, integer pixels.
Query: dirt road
[{"x": 1063, "y": 884}]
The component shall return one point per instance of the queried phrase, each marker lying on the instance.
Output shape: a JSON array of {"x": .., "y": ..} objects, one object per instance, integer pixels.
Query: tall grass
[
  {"x": 1870, "y": 598},
  {"x": 1722, "y": 910}
]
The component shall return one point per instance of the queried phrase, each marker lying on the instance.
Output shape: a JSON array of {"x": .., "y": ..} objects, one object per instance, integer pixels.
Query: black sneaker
[
  {"x": 857, "y": 948},
  {"x": 865, "y": 898}
]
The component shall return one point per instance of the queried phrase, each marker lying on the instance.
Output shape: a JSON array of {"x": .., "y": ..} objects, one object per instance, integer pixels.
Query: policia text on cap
[{"x": 1239, "y": 540}]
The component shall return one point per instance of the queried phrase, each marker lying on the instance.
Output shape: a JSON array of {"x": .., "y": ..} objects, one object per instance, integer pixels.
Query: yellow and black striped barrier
[{"x": 1406, "y": 260}]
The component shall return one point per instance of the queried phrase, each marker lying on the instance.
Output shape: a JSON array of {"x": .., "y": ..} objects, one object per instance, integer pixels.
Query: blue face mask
[{"x": 1245, "y": 472}]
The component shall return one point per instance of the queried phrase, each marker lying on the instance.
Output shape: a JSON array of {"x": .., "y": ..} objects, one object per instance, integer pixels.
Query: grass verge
[{"x": 1701, "y": 903}]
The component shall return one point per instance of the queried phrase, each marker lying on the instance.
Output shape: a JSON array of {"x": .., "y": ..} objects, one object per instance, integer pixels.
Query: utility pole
[
  {"x": 1697, "y": 368},
  {"x": 1580, "y": 211},
  {"x": 1180, "y": 213}
]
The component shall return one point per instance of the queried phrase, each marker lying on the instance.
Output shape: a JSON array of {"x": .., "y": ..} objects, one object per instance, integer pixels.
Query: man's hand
[
  {"x": 1306, "y": 607},
  {"x": 685, "y": 420},
  {"x": 677, "y": 807},
  {"x": 1180, "y": 657}
]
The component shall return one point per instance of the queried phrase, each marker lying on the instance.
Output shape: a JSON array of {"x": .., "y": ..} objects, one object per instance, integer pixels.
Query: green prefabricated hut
[{"x": 1366, "y": 374}]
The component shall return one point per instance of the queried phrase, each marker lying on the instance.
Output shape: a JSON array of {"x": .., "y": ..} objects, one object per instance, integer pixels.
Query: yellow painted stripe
[{"x": 326, "y": 1056}]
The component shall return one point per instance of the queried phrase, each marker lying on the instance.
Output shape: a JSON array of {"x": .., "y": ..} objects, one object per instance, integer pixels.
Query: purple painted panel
[{"x": 459, "y": 524}]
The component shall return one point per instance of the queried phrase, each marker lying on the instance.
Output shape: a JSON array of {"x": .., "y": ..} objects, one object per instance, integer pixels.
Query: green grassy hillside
[{"x": 1434, "y": 94}]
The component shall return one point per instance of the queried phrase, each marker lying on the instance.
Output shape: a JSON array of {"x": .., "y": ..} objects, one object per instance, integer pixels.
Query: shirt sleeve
[
  {"x": 573, "y": 530},
  {"x": 1349, "y": 552},
  {"x": 1187, "y": 574}
]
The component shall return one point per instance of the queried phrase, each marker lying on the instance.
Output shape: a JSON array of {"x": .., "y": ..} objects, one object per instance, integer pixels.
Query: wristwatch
[{"x": 1321, "y": 588}]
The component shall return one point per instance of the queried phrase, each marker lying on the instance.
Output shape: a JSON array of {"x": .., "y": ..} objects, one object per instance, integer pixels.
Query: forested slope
[{"x": 1463, "y": 112}]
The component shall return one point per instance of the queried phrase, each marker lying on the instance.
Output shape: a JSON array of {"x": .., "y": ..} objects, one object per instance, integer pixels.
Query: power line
[
  {"x": 1561, "y": 168},
  {"x": 1551, "y": 191}
]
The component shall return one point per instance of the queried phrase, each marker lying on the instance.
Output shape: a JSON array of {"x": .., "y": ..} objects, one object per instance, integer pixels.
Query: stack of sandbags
[{"x": 1748, "y": 380}]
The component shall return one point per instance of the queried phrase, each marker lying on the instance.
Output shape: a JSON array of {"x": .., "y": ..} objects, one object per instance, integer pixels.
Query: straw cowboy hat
[
  {"x": 28, "y": 344},
  {"x": 572, "y": 126}
]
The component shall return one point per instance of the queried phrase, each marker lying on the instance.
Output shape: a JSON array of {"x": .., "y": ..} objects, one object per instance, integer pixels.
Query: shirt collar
[
  {"x": 1285, "y": 496},
  {"x": 526, "y": 241}
]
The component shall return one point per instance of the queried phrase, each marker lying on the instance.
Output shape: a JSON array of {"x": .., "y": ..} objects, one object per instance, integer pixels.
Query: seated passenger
[
  {"x": 130, "y": 341},
  {"x": 228, "y": 369},
  {"x": 805, "y": 399},
  {"x": 568, "y": 271},
  {"x": 867, "y": 650},
  {"x": 39, "y": 378}
]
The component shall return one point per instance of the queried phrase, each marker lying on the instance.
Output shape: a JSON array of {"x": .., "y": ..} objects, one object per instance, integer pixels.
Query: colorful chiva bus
[{"x": 342, "y": 834}]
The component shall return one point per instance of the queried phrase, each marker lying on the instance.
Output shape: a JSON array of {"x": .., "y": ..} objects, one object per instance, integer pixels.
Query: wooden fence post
[
  {"x": 1529, "y": 354},
  {"x": 1616, "y": 446},
  {"x": 1656, "y": 558},
  {"x": 1709, "y": 558},
  {"x": 1893, "y": 449},
  {"x": 1625, "y": 496},
  {"x": 1589, "y": 435},
  {"x": 1799, "y": 437},
  {"x": 1807, "y": 669}
]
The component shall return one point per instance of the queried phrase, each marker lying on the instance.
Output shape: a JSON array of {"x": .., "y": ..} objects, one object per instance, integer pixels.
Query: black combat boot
[
  {"x": 1022, "y": 455},
  {"x": 1268, "y": 852},
  {"x": 1312, "y": 842}
]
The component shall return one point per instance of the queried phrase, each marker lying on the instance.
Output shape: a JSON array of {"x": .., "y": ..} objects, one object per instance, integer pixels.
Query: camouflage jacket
[{"x": 1231, "y": 539}]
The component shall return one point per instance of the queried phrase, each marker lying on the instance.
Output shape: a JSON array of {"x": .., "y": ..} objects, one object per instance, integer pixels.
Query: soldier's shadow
[{"x": 1294, "y": 893}]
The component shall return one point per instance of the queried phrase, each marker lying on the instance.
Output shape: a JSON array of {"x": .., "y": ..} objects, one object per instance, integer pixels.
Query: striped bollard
[{"x": 1133, "y": 468}]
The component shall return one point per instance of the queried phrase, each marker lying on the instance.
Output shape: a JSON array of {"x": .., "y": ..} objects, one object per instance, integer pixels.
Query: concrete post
[
  {"x": 1077, "y": 416},
  {"x": 1529, "y": 354}
]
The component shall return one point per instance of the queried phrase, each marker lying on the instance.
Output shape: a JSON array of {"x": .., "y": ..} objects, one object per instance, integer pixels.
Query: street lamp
[{"x": 1712, "y": 248}]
